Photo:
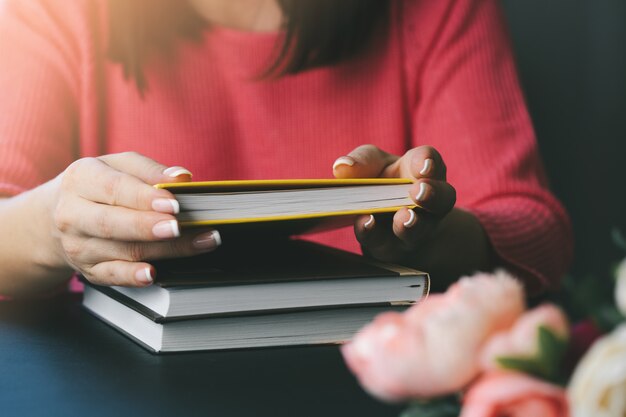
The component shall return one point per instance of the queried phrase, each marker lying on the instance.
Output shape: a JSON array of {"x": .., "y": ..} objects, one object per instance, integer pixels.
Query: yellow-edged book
[{"x": 301, "y": 204}]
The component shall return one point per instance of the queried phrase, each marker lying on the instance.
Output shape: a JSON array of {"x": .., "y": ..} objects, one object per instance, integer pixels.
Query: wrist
[{"x": 47, "y": 252}]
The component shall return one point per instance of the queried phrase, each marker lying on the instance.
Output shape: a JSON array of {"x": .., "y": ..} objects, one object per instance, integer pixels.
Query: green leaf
[
  {"x": 618, "y": 238},
  {"x": 551, "y": 351},
  {"x": 526, "y": 365},
  {"x": 449, "y": 406},
  {"x": 607, "y": 317},
  {"x": 546, "y": 363}
]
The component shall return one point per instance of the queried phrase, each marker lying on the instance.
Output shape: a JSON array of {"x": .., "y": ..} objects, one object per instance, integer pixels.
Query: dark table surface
[{"x": 58, "y": 360}]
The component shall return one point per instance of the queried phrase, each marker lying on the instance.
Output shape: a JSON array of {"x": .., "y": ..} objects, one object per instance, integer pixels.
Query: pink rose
[
  {"x": 522, "y": 340},
  {"x": 512, "y": 394},
  {"x": 384, "y": 357},
  {"x": 433, "y": 348}
]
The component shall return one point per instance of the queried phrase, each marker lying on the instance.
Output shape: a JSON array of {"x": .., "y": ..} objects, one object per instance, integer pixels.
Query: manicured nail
[
  {"x": 166, "y": 205},
  {"x": 344, "y": 160},
  {"x": 369, "y": 223},
  {"x": 411, "y": 221},
  {"x": 207, "y": 241},
  {"x": 166, "y": 229},
  {"x": 145, "y": 276},
  {"x": 428, "y": 164},
  {"x": 422, "y": 194},
  {"x": 174, "y": 172}
]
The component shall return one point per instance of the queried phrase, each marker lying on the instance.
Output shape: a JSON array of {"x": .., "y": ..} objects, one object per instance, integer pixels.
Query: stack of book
[{"x": 283, "y": 292}]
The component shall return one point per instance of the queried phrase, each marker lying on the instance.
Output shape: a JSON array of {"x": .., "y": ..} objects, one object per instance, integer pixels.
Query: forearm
[
  {"x": 29, "y": 263},
  {"x": 458, "y": 246},
  {"x": 531, "y": 234}
]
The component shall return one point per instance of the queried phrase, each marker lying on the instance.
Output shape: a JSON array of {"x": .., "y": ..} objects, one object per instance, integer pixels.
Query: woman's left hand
[{"x": 397, "y": 238}]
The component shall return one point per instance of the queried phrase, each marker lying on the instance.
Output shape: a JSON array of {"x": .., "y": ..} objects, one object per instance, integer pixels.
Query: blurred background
[{"x": 572, "y": 60}]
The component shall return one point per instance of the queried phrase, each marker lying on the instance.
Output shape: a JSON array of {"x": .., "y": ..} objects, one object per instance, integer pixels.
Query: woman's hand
[
  {"x": 399, "y": 238},
  {"x": 107, "y": 219}
]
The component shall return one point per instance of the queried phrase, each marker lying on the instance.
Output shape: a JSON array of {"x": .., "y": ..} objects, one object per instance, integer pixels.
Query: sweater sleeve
[
  {"x": 39, "y": 85},
  {"x": 467, "y": 103}
]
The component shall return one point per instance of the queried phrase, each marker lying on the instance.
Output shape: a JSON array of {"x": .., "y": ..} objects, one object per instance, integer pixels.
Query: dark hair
[{"x": 317, "y": 32}]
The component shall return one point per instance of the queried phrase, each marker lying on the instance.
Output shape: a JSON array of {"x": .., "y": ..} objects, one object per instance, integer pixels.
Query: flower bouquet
[{"x": 477, "y": 351}]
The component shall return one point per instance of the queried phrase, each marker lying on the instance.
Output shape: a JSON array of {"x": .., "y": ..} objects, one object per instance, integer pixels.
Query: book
[
  {"x": 288, "y": 293},
  {"x": 234, "y": 202},
  {"x": 326, "y": 326},
  {"x": 284, "y": 276}
]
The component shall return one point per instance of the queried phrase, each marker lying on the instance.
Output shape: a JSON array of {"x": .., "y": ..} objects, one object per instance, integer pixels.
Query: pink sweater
[{"x": 443, "y": 75}]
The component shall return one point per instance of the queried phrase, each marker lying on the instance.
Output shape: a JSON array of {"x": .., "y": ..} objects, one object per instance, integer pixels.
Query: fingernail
[
  {"x": 428, "y": 164},
  {"x": 411, "y": 221},
  {"x": 369, "y": 223},
  {"x": 344, "y": 160},
  {"x": 423, "y": 192},
  {"x": 166, "y": 205},
  {"x": 144, "y": 276},
  {"x": 166, "y": 229},
  {"x": 207, "y": 241},
  {"x": 174, "y": 172}
]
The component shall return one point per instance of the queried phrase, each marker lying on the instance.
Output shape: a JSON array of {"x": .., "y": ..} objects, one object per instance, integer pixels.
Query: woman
[{"x": 263, "y": 89}]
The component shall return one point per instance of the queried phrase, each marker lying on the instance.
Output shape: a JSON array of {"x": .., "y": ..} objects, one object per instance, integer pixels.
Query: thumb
[
  {"x": 366, "y": 161},
  {"x": 146, "y": 169}
]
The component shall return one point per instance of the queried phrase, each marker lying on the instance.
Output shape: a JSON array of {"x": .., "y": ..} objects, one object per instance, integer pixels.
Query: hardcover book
[
  {"x": 326, "y": 326},
  {"x": 293, "y": 274},
  {"x": 303, "y": 202}
]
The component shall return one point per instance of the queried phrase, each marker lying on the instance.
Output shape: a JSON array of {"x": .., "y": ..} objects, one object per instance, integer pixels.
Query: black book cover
[{"x": 278, "y": 261}]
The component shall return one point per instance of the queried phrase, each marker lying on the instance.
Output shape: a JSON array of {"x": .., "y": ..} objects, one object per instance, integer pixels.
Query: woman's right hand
[{"x": 108, "y": 219}]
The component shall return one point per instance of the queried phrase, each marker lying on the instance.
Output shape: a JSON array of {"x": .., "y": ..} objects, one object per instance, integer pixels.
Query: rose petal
[
  {"x": 522, "y": 340},
  {"x": 512, "y": 394},
  {"x": 432, "y": 349}
]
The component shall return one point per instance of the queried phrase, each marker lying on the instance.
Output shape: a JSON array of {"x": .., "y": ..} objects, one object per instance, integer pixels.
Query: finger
[
  {"x": 436, "y": 197},
  {"x": 146, "y": 169},
  {"x": 123, "y": 273},
  {"x": 412, "y": 227},
  {"x": 99, "y": 250},
  {"x": 377, "y": 239},
  {"x": 419, "y": 162},
  {"x": 94, "y": 180},
  {"x": 188, "y": 245},
  {"x": 117, "y": 223},
  {"x": 366, "y": 161}
]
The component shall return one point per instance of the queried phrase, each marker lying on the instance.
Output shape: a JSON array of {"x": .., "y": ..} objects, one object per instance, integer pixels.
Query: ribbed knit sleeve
[
  {"x": 39, "y": 87},
  {"x": 467, "y": 104}
]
